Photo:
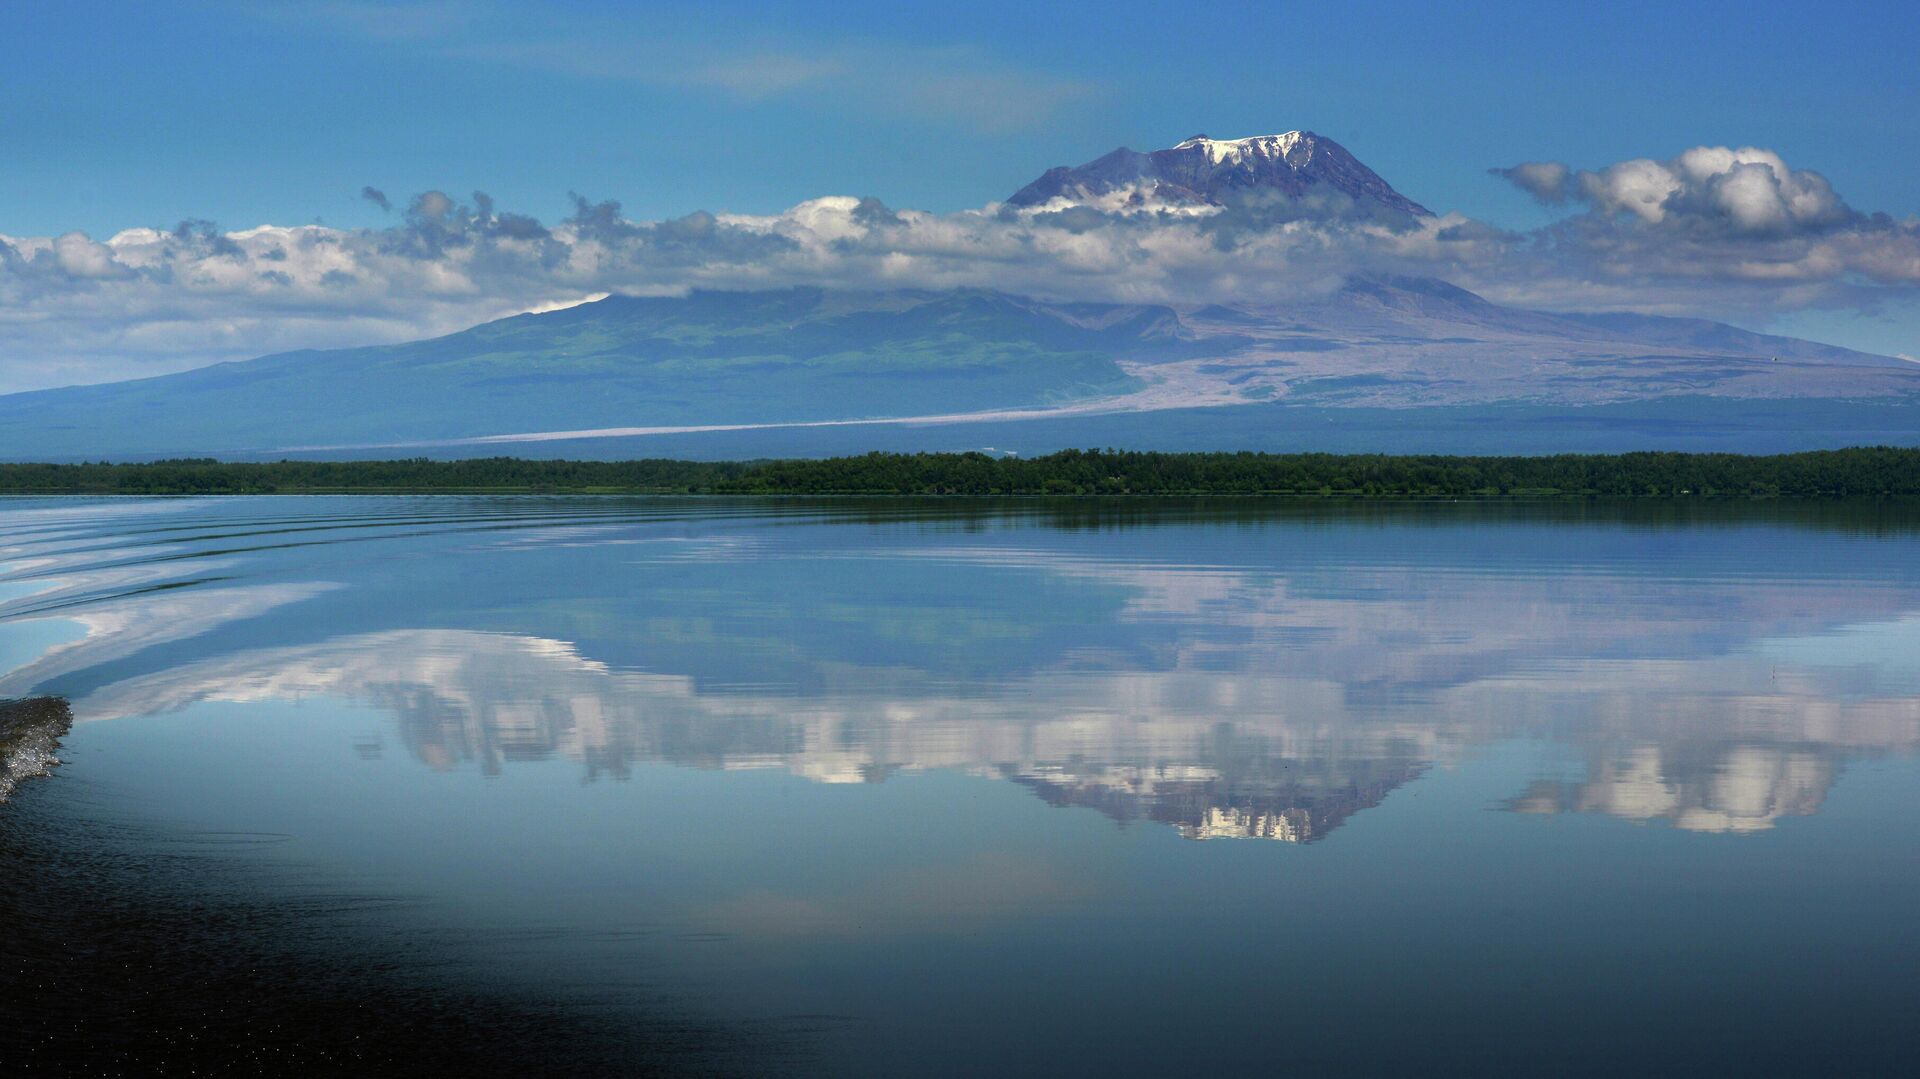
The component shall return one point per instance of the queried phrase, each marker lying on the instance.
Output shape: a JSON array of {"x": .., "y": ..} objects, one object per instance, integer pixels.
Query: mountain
[
  {"x": 1379, "y": 363},
  {"x": 1372, "y": 366},
  {"x": 1215, "y": 172},
  {"x": 1386, "y": 341},
  {"x": 791, "y": 356}
]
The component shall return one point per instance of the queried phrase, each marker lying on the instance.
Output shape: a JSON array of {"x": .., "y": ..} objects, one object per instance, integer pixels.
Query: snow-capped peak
[
  {"x": 1202, "y": 174},
  {"x": 1233, "y": 151}
]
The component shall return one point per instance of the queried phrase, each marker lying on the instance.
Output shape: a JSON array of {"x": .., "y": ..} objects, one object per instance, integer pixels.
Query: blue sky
[
  {"x": 115, "y": 115},
  {"x": 228, "y": 115}
]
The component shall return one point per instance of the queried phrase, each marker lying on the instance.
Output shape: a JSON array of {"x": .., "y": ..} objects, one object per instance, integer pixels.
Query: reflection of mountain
[
  {"x": 1133, "y": 745},
  {"x": 1292, "y": 801},
  {"x": 1297, "y": 756},
  {"x": 154, "y": 616},
  {"x": 1262, "y": 674}
]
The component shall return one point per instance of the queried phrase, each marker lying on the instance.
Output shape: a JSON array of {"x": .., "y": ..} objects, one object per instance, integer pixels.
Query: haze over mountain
[
  {"x": 1381, "y": 362},
  {"x": 627, "y": 366}
]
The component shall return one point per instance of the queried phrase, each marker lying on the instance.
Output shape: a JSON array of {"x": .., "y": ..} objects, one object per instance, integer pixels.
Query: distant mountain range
[
  {"x": 623, "y": 367},
  {"x": 1381, "y": 363},
  {"x": 792, "y": 356}
]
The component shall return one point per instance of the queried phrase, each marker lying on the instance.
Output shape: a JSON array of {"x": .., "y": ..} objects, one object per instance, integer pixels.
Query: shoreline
[{"x": 1868, "y": 472}]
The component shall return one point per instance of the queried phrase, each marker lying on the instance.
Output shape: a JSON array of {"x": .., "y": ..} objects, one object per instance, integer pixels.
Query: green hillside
[{"x": 708, "y": 358}]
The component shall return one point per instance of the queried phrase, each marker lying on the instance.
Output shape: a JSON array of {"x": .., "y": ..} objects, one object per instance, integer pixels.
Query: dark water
[{"x": 751, "y": 787}]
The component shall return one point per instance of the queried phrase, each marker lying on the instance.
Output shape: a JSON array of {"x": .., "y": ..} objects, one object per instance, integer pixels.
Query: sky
[{"x": 230, "y": 116}]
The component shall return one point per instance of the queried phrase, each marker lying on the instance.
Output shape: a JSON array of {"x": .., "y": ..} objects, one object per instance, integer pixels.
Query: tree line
[{"x": 1866, "y": 472}]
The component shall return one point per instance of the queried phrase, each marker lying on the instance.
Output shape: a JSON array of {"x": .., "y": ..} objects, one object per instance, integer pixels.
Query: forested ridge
[{"x": 1866, "y": 472}]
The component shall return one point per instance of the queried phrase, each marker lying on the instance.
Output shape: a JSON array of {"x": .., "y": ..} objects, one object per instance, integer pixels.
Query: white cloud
[
  {"x": 1715, "y": 217},
  {"x": 77, "y": 255},
  {"x": 1747, "y": 191},
  {"x": 1544, "y": 180},
  {"x": 562, "y": 305},
  {"x": 1713, "y": 232},
  {"x": 148, "y": 300},
  {"x": 1640, "y": 187}
]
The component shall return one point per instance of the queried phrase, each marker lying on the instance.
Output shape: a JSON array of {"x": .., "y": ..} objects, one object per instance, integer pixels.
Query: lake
[{"x": 865, "y": 788}]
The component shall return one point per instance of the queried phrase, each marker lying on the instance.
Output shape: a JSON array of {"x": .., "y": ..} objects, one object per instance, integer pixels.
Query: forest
[{"x": 1866, "y": 472}]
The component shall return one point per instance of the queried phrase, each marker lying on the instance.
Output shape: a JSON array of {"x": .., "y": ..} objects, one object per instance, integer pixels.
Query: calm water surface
[{"x": 938, "y": 788}]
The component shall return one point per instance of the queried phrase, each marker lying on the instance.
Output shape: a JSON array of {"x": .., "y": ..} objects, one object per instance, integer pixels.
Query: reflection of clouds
[
  {"x": 62, "y": 531},
  {"x": 1076, "y": 738},
  {"x": 1726, "y": 789},
  {"x": 30, "y": 519},
  {"x": 54, "y": 585},
  {"x": 140, "y": 622},
  {"x": 1419, "y": 626},
  {"x": 1733, "y": 697},
  {"x": 1267, "y": 701},
  {"x": 1213, "y": 753},
  {"x": 1885, "y": 648},
  {"x": 473, "y": 693},
  {"x": 78, "y": 551},
  {"x": 1724, "y": 744}
]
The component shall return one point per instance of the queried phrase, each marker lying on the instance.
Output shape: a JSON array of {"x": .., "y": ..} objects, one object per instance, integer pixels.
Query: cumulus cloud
[
  {"x": 79, "y": 257},
  {"x": 144, "y": 300},
  {"x": 1719, "y": 214},
  {"x": 1713, "y": 232},
  {"x": 1544, "y": 180},
  {"x": 1748, "y": 191}
]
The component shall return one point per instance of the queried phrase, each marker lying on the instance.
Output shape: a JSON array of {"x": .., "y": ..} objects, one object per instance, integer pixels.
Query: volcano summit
[{"x": 1216, "y": 172}]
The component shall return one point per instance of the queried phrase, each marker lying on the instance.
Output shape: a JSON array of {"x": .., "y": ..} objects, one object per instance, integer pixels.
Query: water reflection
[
  {"x": 1715, "y": 744},
  {"x": 1726, "y": 788},
  {"x": 1242, "y": 676},
  {"x": 912, "y": 778}
]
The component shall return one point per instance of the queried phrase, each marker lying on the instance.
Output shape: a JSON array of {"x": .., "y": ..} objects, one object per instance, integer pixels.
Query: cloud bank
[
  {"x": 1717, "y": 214},
  {"x": 1715, "y": 232}
]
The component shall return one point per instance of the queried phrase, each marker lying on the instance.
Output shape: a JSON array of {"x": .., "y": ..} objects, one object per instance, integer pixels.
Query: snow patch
[
  {"x": 562, "y": 305},
  {"x": 1234, "y": 151}
]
